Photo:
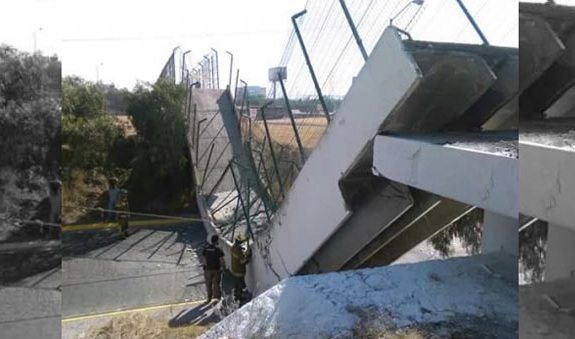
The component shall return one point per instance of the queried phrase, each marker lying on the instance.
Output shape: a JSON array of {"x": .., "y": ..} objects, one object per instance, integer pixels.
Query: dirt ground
[
  {"x": 143, "y": 326},
  {"x": 126, "y": 124},
  {"x": 310, "y": 130}
]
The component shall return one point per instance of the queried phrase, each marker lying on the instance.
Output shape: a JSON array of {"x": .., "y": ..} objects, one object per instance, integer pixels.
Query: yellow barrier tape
[{"x": 135, "y": 223}]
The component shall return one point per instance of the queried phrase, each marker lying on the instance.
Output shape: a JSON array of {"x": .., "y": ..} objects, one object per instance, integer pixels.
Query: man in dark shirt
[{"x": 213, "y": 264}]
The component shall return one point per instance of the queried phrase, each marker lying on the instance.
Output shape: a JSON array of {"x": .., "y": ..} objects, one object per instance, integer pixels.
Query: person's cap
[
  {"x": 113, "y": 179},
  {"x": 55, "y": 182},
  {"x": 240, "y": 238}
]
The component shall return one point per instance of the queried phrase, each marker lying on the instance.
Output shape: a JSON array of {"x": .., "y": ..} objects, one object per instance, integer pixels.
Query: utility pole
[
  {"x": 36, "y": 38},
  {"x": 98, "y": 71}
]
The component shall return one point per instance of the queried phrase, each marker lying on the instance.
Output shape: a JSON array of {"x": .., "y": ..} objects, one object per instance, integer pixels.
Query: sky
[
  {"x": 126, "y": 41},
  {"x": 131, "y": 40}
]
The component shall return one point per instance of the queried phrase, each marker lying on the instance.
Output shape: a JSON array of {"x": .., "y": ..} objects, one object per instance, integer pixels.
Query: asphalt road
[
  {"x": 31, "y": 307},
  {"x": 30, "y": 298},
  {"x": 103, "y": 273}
]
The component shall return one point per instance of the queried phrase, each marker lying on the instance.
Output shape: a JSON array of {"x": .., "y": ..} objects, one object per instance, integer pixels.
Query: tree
[
  {"x": 116, "y": 99},
  {"x": 88, "y": 141},
  {"x": 467, "y": 228},
  {"x": 29, "y": 108},
  {"x": 532, "y": 251},
  {"x": 82, "y": 99},
  {"x": 161, "y": 164},
  {"x": 88, "y": 131}
]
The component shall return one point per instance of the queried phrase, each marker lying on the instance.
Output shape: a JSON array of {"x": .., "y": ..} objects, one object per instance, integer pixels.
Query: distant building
[{"x": 253, "y": 91}]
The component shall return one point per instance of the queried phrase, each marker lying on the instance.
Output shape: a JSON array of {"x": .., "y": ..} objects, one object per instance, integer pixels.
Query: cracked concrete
[{"x": 409, "y": 295}]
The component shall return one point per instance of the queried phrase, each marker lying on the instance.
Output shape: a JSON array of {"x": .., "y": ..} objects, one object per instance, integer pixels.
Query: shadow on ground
[
  {"x": 204, "y": 314},
  {"x": 80, "y": 243}
]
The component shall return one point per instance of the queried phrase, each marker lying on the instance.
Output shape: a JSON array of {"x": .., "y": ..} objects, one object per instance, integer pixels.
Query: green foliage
[
  {"x": 29, "y": 108},
  {"x": 88, "y": 141},
  {"x": 467, "y": 228},
  {"x": 161, "y": 164},
  {"x": 82, "y": 99},
  {"x": 116, "y": 99},
  {"x": 156, "y": 115},
  {"x": 88, "y": 132}
]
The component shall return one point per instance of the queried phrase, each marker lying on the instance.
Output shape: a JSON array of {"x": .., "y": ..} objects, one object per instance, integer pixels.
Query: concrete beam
[
  {"x": 314, "y": 207},
  {"x": 373, "y": 216},
  {"x": 452, "y": 81},
  {"x": 424, "y": 228},
  {"x": 479, "y": 170},
  {"x": 540, "y": 47},
  {"x": 546, "y": 171},
  {"x": 423, "y": 203}
]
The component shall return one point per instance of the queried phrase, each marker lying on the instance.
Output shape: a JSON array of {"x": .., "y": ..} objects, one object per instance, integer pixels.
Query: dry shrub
[{"x": 139, "y": 326}]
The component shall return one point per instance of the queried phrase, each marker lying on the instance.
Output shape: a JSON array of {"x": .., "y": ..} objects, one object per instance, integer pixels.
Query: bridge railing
[{"x": 322, "y": 58}]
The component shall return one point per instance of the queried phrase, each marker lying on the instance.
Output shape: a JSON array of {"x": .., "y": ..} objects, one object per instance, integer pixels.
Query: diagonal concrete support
[
  {"x": 387, "y": 203},
  {"x": 397, "y": 244},
  {"x": 423, "y": 203}
]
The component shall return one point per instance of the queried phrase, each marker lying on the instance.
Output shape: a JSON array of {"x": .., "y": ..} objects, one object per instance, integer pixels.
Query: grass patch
[{"x": 399, "y": 334}]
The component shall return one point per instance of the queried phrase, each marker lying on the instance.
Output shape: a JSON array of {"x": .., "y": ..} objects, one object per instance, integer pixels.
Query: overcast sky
[{"x": 132, "y": 39}]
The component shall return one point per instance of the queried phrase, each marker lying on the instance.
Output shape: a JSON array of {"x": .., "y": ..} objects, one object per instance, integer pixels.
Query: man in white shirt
[{"x": 113, "y": 194}]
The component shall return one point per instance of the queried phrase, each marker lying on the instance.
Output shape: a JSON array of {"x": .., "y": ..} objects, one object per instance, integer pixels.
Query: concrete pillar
[
  {"x": 560, "y": 261},
  {"x": 500, "y": 233}
]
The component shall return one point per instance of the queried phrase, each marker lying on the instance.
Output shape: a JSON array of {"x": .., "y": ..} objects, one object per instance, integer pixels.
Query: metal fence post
[
  {"x": 308, "y": 62},
  {"x": 217, "y": 68},
  {"x": 353, "y": 29},
  {"x": 246, "y": 213},
  {"x": 272, "y": 148},
  {"x": 198, "y": 138},
  {"x": 243, "y": 96},
  {"x": 292, "y": 120},
  {"x": 194, "y": 125},
  {"x": 473, "y": 23},
  {"x": 204, "y": 176},
  {"x": 236, "y": 88},
  {"x": 231, "y": 69}
]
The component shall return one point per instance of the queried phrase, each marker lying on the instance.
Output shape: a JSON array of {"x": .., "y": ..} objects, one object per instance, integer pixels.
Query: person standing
[
  {"x": 213, "y": 265},
  {"x": 240, "y": 258},
  {"x": 113, "y": 195},
  {"x": 123, "y": 212},
  {"x": 55, "y": 205}
]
